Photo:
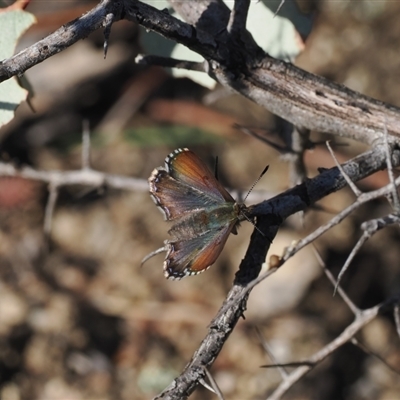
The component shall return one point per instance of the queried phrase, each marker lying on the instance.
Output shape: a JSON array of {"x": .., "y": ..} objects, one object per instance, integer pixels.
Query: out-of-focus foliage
[{"x": 12, "y": 25}]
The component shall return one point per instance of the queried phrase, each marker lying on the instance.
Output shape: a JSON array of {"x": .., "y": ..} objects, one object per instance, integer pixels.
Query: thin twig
[
  {"x": 260, "y": 278},
  {"x": 87, "y": 177},
  {"x": 169, "y": 62},
  {"x": 366, "y": 350},
  {"x": 363, "y": 198},
  {"x": 331, "y": 278},
  {"x": 108, "y": 21},
  {"x": 90, "y": 177},
  {"x": 396, "y": 313},
  {"x": 267, "y": 349},
  {"x": 85, "y": 145},
  {"x": 361, "y": 320},
  {"x": 299, "y": 143},
  {"x": 214, "y": 385},
  {"x": 50, "y": 206},
  {"x": 231, "y": 301},
  {"x": 365, "y": 236},
  {"x": 369, "y": 228},
  {"x": 395, "y": 195},
  {"x": 353, "y": 187},
  {"x": 279, "y": 8},
  {"x": 281, "y": 149}
]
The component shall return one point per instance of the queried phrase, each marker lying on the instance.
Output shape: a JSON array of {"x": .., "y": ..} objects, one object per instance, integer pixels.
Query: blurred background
[{"x": 79, "y": 318}]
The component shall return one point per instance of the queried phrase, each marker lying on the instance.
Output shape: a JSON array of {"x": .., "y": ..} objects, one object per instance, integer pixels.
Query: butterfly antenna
[
  {"x": 255, "y": 183},
  {"x": 216, "y": 168},
  {"x": 247, "y": 195}
]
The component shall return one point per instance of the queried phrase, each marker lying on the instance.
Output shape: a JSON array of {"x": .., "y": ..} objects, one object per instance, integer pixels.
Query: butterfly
[{"x": 203, "y": 212}]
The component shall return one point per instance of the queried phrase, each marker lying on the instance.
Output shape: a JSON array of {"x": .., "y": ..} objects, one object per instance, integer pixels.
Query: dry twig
[{"x": 362, "y": 319}]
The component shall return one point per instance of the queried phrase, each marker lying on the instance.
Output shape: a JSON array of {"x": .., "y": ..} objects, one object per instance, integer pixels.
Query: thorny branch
[
  {"x": 86, "y": 176},
  {"x": 307, "y": 101},
  {"x": 338, "y": 218},
  {"x": 271, "y": 214},
  {"x": 362, "y": 319}
]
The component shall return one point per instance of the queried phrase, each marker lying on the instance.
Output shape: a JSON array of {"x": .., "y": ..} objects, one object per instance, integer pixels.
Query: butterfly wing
[
  {"x": 186, "y": 167},
  {"x": 175, "y": 198},
  {"x": 193, "y": 256},
  {"x": 185, "y": 185}
]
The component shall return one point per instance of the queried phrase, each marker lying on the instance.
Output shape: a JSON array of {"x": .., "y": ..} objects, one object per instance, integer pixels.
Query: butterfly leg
[{"x": 153, "y": 253}]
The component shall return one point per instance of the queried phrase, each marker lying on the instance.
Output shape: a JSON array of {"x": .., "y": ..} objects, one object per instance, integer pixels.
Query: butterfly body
[{"x": 203, "y": 212}]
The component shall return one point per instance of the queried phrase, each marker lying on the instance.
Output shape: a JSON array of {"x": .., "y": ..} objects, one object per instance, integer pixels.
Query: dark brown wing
[
  {"x": 186, "y": 167},
  {"x": 175, "y": 198},
  {"x": 193, "y": 256}
]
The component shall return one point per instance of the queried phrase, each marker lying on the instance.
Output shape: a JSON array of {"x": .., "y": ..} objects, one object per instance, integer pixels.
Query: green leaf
[{"x": 12, "y": 25}]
